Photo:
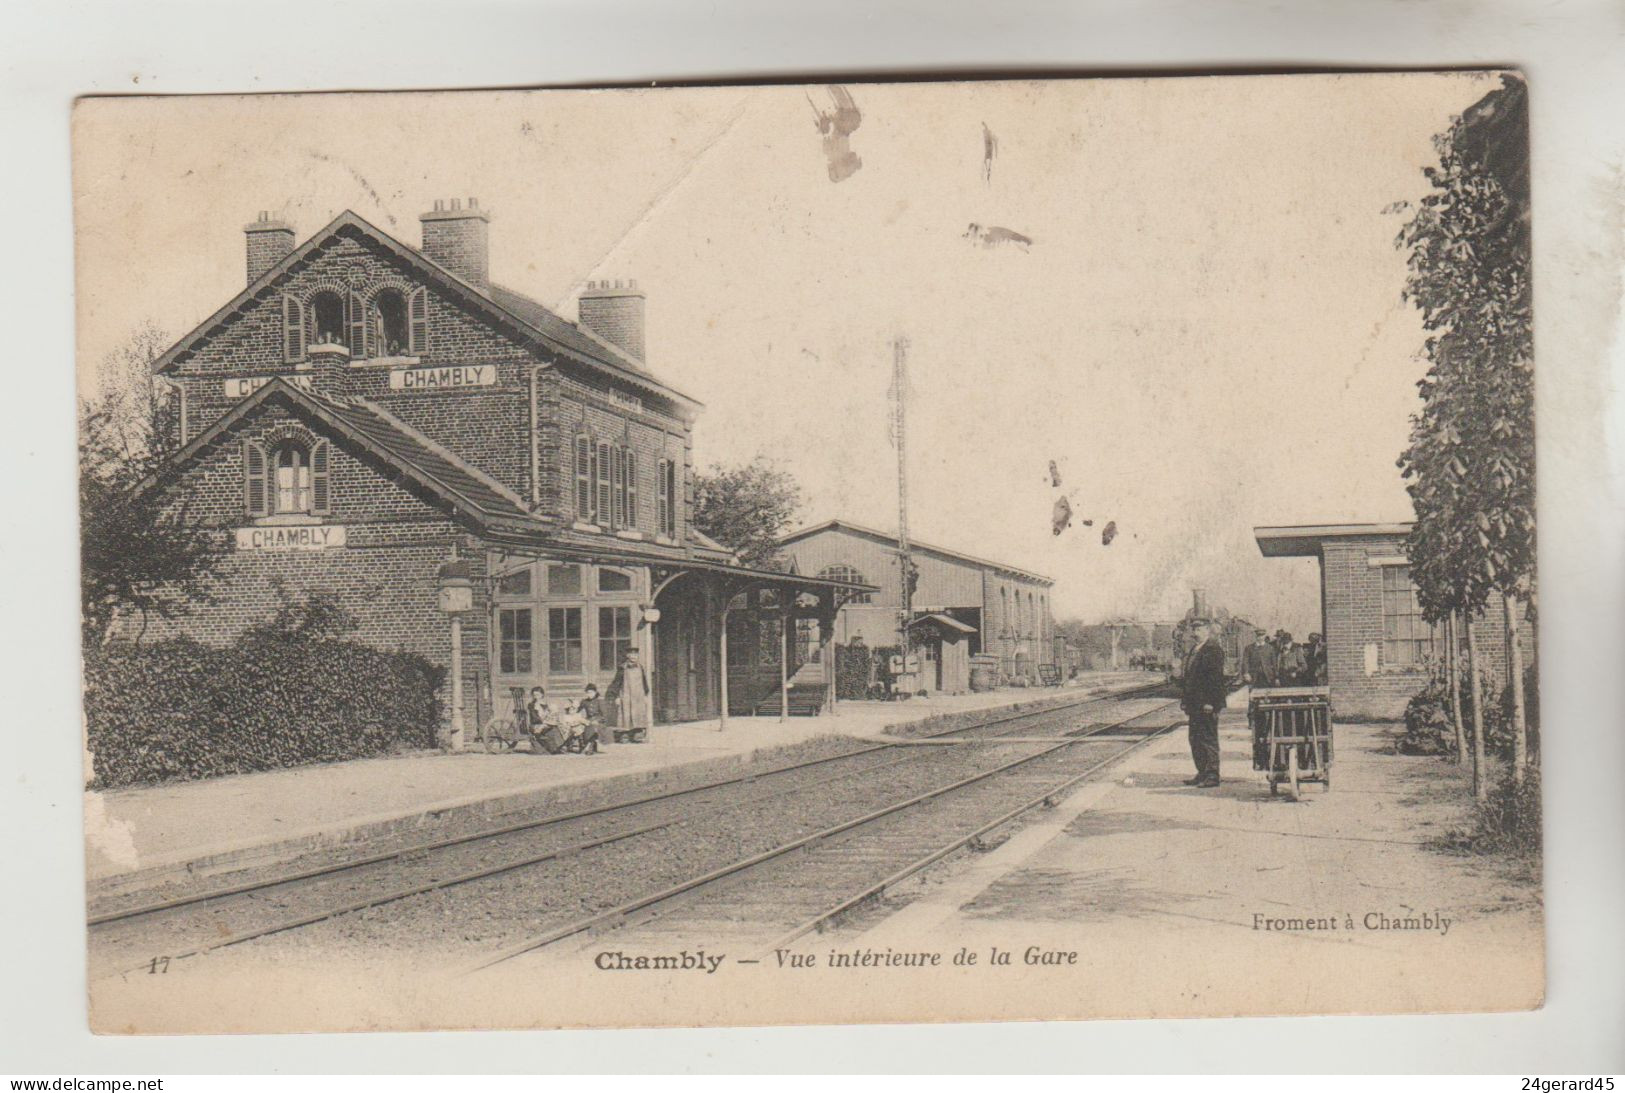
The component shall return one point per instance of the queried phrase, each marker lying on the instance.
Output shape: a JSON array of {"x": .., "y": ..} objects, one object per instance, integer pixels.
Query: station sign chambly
[
  {"x": 297, "y": 537},
  {"x": 243, "y": 386},
  {"x": 430, "y": 379}
]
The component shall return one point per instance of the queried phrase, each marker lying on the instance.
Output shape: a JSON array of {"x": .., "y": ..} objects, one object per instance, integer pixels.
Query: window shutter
[
  {"x": 418, "y": 315},
  {"x": 674, "y": 498},
  {"x": 606, "y": 500},
  {"x": 256, "y": 483},
  {"x": 358, "y": 326},
  {"x": 321, "y": 494},
  {"x": 583, "y": 478},
  {"x": 618, "y": 464},
  {"x": 662, "y": 497},
  {"x": 293, "y": 329},
  {"x": 631, "y": 488}
]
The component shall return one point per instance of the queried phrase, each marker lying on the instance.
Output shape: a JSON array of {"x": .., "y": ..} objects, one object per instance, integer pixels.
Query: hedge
[{"x": 180, "y": 710}]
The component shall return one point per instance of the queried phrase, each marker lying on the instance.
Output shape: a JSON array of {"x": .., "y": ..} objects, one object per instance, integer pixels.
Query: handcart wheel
[{"x": 1292, "y": 773}]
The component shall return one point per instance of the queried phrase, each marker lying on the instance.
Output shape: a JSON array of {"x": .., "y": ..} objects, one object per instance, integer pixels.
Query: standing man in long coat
[
  {"x": 629, "y": 690},
  {"x": 1203, "y": 698},
  {"x": 1258, "y": 661}
]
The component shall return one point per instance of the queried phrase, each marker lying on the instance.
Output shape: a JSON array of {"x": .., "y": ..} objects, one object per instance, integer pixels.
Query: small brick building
[
  {"x": 1378, "y": 648},
  {"x": 362, "y": 409}
]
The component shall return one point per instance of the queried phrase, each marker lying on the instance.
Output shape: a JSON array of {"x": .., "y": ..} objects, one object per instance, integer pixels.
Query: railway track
[
  {"x": 768, "y": 900},
  {"x": 196, "y": 923}
]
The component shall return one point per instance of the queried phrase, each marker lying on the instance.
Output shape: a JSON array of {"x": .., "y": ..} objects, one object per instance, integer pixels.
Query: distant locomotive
[{"x": 1233, "y": 633}]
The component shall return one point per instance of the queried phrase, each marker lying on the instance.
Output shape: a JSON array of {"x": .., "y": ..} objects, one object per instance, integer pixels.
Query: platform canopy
[{"x": 1304, "y": 540}]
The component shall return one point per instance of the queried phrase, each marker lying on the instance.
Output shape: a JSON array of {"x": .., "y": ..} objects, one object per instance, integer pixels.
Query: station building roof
[
  {"x": 914, "y": 544},
  {"x": 1305, "y": 540}
]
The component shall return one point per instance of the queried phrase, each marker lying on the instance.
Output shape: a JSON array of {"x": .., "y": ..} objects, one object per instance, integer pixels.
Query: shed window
[
  {"x": 1406, "y": 638},
  {"x": 846, "y": 573}
]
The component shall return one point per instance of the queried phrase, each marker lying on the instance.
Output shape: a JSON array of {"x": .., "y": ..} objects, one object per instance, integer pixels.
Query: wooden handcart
[{"x": 1292, "y": 736}]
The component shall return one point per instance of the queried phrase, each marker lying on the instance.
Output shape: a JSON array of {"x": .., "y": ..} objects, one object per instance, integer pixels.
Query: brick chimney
[
  {"x": 613, "y": 310},
  {"x": 269, "y": 242},
  {"x": 459, "y": 239}
]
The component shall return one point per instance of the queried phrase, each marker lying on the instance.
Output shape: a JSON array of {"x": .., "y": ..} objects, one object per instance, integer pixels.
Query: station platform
[
  {"x": 146, "y": 835},
  {"x": 1230, "y": 901}
]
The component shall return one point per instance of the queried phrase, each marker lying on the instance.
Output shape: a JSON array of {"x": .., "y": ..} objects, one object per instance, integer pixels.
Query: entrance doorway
[{"x": 681, "y": 690}]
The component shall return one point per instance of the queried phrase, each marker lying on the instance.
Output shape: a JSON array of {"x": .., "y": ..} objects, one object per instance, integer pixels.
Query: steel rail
[
  {"x": 921, "y": 864},
  {"x": 318, "y": 872},
  {"x": 643, "y": 903},
  {"x": 440, "y": 883}
]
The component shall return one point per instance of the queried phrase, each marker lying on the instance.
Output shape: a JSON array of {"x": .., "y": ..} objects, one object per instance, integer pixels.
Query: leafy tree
[
  {"x": 747, "y": 507},
  {"x": 1470, "y": 465},
  {"x": 139, "y": 552}
]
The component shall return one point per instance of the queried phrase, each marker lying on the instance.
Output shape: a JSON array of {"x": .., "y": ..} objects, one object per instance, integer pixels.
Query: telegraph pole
[{"x": 899, "y": 388}]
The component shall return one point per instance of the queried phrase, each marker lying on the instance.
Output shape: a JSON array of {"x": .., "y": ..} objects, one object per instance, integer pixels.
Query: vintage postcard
[{"x": 881, "y": 552}]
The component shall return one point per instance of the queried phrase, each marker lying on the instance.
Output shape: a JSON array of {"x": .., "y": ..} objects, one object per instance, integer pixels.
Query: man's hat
[
  {"x": 1201, "y": 620},
  {"x": 1316, "y": 637}
]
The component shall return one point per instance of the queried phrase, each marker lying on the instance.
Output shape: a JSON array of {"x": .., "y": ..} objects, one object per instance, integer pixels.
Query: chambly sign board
[
  {"x": 247, "y": 385},
  {"x": 302, "y": 537},
  {"x": 458, "y": 375}
]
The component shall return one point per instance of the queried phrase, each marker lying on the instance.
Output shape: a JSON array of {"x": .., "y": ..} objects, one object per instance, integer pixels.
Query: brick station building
[
  {"x": 1378, "y": 648},
  {"x": 361, "y": 410}
]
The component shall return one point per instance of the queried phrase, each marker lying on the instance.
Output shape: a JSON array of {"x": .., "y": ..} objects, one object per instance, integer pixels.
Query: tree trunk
[
  {"x": 1520, "y": 728},
  {"x": 1481, "y": 789},
  {"x": 1452, "y": 662}
]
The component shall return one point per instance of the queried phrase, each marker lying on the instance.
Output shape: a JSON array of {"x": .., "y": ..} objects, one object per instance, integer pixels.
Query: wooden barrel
[{"x": 983, "y": 677}]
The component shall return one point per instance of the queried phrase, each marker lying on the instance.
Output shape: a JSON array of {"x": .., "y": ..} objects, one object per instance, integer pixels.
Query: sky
[{"x": 1193, "y": 307}]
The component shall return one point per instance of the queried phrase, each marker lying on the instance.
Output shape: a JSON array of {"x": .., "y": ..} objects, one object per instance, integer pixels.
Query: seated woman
[{"x": 546, "y": 737}]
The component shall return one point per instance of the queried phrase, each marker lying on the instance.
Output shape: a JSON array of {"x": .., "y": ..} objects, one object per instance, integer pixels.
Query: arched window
[
  {"x": 846, "y": 573},
  {"x": 391, "y": 332},
  {"x": 290, "y": 477},
  {"x": 327, "y": 319}
]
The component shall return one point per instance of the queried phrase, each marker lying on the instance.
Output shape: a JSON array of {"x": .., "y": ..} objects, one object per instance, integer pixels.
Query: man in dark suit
[
  {"x": 1204, "y": 694},
  {"x": 1258, "y": 661}
]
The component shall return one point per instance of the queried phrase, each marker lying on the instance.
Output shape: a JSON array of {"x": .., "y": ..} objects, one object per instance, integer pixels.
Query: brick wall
[
  {"x": 578, "y": 404},
  {"x": 1351, "y": 594}
]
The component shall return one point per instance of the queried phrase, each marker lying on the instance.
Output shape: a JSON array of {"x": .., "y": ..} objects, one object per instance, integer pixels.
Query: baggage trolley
[{"x": 1292, "y": 736}]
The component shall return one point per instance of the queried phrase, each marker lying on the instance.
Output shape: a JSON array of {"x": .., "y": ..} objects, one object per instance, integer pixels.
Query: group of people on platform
[
  {"x": 1277, "y": 662},
  {"x": 578, "y": 727},
  {"x": 1282, "y": 662}
]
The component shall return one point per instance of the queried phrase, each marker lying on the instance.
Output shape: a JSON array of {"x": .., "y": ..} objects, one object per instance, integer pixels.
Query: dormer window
[
  {"x": 327, "y": 320},
  {"x": 389, "y": 324}
]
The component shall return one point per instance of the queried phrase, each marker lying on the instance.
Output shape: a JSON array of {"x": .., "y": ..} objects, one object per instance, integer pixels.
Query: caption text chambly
[{"x": 699, "y": 960}]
